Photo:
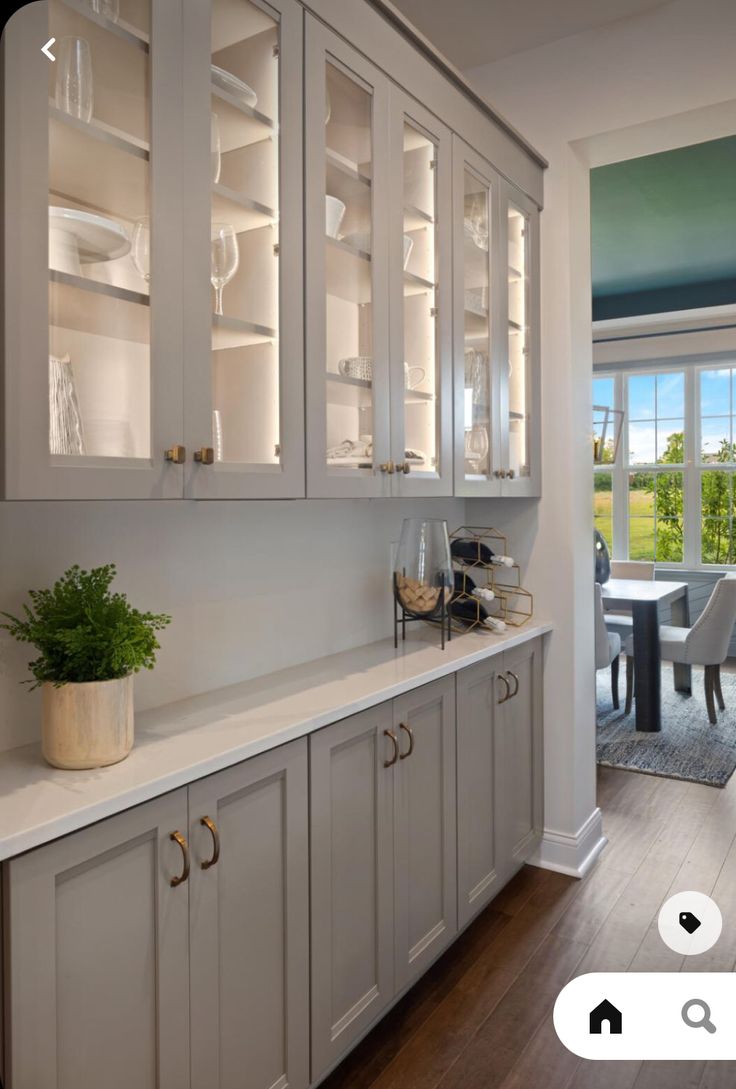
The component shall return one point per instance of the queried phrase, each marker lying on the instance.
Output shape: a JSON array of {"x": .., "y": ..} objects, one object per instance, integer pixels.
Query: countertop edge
[{"x": 82, "y": 816}]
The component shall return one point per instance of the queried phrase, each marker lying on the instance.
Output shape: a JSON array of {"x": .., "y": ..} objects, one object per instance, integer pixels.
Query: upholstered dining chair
[
  {"x": 607, "y": 646},
  {"x": 620, "y": 620},
  {"x": 705, "y": 643}
]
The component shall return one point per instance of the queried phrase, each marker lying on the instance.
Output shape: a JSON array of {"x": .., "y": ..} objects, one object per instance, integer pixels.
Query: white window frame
[{"x": 692, "y": 469}]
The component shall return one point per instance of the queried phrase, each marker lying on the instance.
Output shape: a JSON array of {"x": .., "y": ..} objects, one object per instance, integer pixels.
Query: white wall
[
  {"x": 252, "y": 586},
  {"x": 640, "y": 70}
]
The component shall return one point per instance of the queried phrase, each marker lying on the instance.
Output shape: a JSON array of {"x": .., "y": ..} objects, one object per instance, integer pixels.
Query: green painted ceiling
[{"x": 664, "y": 231}]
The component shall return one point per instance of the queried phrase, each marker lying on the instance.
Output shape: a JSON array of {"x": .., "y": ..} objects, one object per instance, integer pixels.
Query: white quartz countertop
[{"x": 180, "y": 742}]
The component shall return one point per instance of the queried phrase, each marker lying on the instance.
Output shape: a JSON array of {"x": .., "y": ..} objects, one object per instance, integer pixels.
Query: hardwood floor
[{"x": 482, "y": 1017}]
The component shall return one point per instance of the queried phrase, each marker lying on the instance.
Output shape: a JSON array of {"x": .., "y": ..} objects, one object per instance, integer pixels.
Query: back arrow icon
[{"x": 47, "y": 49}]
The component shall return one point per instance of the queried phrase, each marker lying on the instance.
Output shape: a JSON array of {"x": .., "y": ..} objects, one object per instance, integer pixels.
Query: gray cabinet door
[
  {"x": 479, "y": 691},
  {"x": 250, "y": 924},
  {"x": 351, "y": 822},
  {"x": 518, "y": 757},
  {"x": 424, "y": 828},
  {"x": 98, "y": 964}
]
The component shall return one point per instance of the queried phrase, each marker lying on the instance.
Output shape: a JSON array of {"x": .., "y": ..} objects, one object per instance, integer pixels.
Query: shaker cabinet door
[
  {"x": 249, "y": 924},
  {"x": 93, "y": 252},
  {"x": 97, "y": 955},
  {"x": 425, "y": 828},
  {"x": 479, "y": 692},
  {"x": 352, "y": 866},
  {"x": 243, "y": 235},
  {"x": 518, "y": 757}
]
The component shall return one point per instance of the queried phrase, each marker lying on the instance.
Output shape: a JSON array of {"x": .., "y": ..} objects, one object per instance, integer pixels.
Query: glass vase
[{"x": 423, "y": 571}]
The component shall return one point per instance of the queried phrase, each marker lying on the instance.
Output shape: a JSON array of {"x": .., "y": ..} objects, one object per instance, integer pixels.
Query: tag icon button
[{"x": 689, "y": 922}]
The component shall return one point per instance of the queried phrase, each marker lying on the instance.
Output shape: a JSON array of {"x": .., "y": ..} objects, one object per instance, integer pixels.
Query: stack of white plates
[{"x": 226, "y": 81}]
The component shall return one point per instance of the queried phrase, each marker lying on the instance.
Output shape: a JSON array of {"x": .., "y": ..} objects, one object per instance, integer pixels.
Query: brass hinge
[
  {"x": 276, "y": 51},
  {"x": 434, "y": 311},
  {"x": 276, "y": 250},
  {"x": 432, "y": 164}
]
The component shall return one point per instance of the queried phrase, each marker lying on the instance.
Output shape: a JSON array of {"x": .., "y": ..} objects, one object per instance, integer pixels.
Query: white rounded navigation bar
[{"x": 649, "y": 1015}]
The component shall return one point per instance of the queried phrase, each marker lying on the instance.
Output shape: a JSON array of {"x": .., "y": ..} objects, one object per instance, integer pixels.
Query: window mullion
[
  {"x": 621, "y": 477},
  {"x": 691, "y": 491}
]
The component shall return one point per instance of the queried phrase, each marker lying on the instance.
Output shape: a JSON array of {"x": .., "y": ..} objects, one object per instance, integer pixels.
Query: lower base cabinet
[
  {"x": 499, "y": 772},
  {"x": 219, "y": 936},
  {"x": 383, "y": 861},
  {"x": 156, "y": 951}
]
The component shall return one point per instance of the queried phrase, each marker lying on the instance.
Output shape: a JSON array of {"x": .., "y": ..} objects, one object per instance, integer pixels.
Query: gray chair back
[
  {"x": 708, "y": 639},
  {"x": 602, "y": 645}
]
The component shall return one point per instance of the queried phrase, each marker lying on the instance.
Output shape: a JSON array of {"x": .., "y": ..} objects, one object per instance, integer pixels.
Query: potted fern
[{"x": 90, "y": 643}]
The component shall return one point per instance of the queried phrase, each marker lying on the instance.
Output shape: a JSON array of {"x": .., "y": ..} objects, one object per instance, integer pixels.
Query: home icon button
[{"x": 604, "y": 1013}]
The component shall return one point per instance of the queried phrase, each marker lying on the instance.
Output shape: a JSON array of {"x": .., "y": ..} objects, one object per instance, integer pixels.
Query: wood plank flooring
[{"x": 482, "y": 1016}]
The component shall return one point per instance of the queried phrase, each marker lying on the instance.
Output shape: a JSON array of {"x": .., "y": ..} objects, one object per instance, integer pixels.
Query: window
[{"x": 671, "y": 497}]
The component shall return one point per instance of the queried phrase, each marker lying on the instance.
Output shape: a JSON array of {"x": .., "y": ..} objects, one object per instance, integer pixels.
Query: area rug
[{"x": 688, "y": 747}]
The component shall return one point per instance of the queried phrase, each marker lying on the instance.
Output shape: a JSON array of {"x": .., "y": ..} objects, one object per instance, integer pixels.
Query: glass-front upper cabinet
[
  {"x": 520, "y": 375},
  {"x": 89, "y": 407},
  {"x": 421, "y": 300},
  {"x": 347, "y": 257},
  {"x": 243, "y": 415},
  {"x": 477, "y": 430}
]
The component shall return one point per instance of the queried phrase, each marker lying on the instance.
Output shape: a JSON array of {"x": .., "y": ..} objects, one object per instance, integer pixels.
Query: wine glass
[
  {"x": 74, "y": 78},
  {"x": 141, "y": 248},
  {"x": 109, "y": 9},
  {"x": 476, "y": 447},
  {"x": 224, "y": 259},
  {"x": 215, "y": 148}
]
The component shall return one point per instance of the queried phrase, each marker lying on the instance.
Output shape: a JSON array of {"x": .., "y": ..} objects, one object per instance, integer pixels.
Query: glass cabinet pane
[
  {"x": 348, "y": 271},
  {"x": 244, "y": 251},
  {"x": 518, "y": 341},
  {"x": 477, "y": 326},
  {"x": 420, "y": 251},
  {"x": 99, "y": 230}
]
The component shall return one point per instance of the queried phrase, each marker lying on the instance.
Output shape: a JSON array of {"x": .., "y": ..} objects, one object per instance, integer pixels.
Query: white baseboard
[{"x": 572, "y": 854}]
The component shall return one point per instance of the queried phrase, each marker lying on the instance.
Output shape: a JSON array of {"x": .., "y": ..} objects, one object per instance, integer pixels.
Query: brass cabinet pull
[
  {"x": 176, "y": 454},
  {"x": 394, "y": 741},
  {"x": 509, "y": 673},
  {"x": 387, "y": 467},
  {"x": 205, "y": 455},
  {"x": 409, "y": 731},
  {"x": 177, "y": 837},
  {"x": 208, "y": 823},
  {"x": 502, "y": 677}
]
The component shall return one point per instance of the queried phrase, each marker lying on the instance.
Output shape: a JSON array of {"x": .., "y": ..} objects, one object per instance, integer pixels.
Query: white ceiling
[{"x": 474, "y": 32}]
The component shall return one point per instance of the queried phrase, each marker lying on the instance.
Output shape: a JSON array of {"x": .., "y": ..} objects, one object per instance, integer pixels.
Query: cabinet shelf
[
  {"x": 344, "y": 390},
  {"x": 240, "y": 125},
  {"x": 235, "y": 333},
  {"x": 102, "y": 309},
  {"x": 119, "y": 177},
  {"x": 343, "y": 165},
  {"x": 348, "y": 271},
  {"x": 120, "y": 28},
  {"x": 415, "y": 219},
  {"x": 345, "y": 181},
  {"x": 515, "y": 275},
  {"x": 416, "y": 285},
  {"x": 243, "y": 213},
  {"x": 100, "y": 130}
]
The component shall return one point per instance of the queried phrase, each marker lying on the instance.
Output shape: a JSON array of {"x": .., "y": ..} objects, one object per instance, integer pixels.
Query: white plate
[
  {"x": 96, "y": 237},
  {"x": 226, "y": 81}
]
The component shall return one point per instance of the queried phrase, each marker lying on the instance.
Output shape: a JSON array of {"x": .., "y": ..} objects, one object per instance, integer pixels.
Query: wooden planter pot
[{"x": 88, "y": 725}]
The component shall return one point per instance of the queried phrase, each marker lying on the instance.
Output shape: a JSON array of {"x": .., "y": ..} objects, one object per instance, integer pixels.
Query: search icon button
[{"x": 700, "y": 1022}]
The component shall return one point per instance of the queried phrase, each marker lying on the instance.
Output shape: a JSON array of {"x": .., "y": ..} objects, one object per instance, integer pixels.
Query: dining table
[{"x": 643, "y": 598}]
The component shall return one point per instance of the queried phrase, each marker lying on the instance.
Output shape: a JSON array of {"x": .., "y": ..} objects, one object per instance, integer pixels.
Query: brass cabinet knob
[
  {"x": 387, "y": 467},
  {"x": 510, "y": 474},
  {"x": 176, "y": 454},
  {"x": 205, "y": 455},
  {"x": 177, "y": 837},
  {"x": 502, "y": 473},
  {"x": 403, "y": 467}
]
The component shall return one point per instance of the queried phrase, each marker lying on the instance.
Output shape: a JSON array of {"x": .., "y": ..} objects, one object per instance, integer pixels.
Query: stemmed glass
[
  {"x": 141, "y": 248},
  {"x": 215, "y": 148},
  {"x": 74, "y": 78},
  {"x": 224, "y": 259}
]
